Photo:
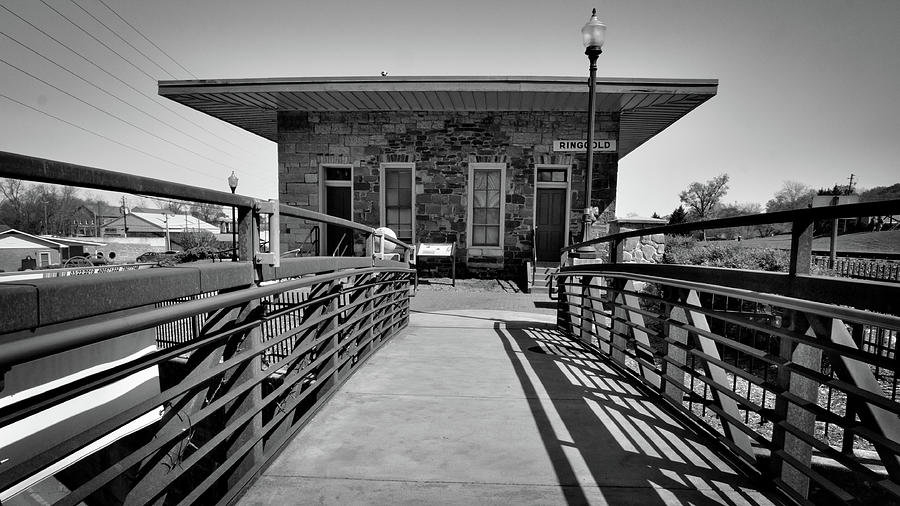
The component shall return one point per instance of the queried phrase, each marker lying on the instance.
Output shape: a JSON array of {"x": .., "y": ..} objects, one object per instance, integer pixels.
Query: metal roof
[{"x": 647, "y": 106}]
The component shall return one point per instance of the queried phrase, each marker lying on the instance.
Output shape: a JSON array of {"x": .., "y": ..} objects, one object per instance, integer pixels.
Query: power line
[
  {"x": 148, "y": 39},
  {"x": 129, "y": 104},
  {"x": 89, "y": 34},
  {"x": 151, "y": 60},
  {"x": 150, "y": 97},
  {"x": 107, "y": 112},
  {"x": 83, "y": 129}
]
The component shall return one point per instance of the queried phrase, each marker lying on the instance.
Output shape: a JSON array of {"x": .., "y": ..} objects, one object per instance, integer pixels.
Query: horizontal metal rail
[
  {"x": 776, "y": 378},
  {"x": 29, "y": 168},
  {"x": 237, "y": 402},
  {"x": 244, "y": 354},
  {"x": 779, "y": 366},
  {"x": 806, "y": 216}
]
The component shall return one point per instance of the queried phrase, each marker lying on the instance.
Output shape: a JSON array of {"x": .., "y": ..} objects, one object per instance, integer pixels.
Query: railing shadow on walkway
[
  {"x": 609, "y": 440},
  {"x": 592, "y": 419}
]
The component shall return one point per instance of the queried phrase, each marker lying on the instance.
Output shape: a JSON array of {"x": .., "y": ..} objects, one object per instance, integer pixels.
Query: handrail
[
  {"x": 754, "y": 368},
  {"x": 246, "y": 352},
  {"x": 29, "y": 168},
  {"x": 309, "y": 355},
  {"x": 808, "y": 215},
  {"x": 756, "y": 358}
]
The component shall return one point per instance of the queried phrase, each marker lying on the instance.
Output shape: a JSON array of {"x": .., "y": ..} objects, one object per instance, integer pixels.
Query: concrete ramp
[{"x": 495, "y": 407}]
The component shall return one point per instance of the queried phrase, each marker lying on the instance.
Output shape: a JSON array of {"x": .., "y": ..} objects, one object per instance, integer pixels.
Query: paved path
[{"x": 485, "y": 406}]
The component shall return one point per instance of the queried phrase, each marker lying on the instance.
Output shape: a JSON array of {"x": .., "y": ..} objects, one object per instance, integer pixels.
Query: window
[
  {"x": 44, "y": 257},
  {"x": 397, "y": 199},
  {"x": 551, "y": 175},
  {"x": 486, "y": 204}
]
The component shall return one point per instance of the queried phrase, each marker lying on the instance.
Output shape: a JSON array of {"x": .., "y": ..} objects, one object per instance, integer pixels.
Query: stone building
[{"x": 493, "y": 164}]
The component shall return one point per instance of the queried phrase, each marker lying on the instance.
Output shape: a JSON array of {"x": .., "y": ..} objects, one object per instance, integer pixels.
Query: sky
[{"x": 807, "y": 88}]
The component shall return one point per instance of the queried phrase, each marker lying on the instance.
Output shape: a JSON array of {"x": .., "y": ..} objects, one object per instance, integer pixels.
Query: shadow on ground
[{"x": 592, "y": 420}]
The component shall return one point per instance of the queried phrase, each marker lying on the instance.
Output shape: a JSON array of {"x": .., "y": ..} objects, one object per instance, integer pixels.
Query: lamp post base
[{"x": 586, "y": 251}]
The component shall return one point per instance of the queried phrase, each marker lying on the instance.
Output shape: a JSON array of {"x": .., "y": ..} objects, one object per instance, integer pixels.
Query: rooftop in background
[{"x": 647, "y": 106}]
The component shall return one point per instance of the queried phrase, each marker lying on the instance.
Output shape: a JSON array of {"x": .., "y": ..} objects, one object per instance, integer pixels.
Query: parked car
[{"x": 157, "y": 256}]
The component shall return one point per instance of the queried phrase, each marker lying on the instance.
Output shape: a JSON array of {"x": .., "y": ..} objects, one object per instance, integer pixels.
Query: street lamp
[
  {"x": 232, "y": 182},
  {"x": 593, "y": 34}
]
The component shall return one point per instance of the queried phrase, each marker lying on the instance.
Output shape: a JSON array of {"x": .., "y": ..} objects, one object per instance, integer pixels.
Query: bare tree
[
  {"x": 12, "y": 207},
  {"x": 792, "y": 195},
  {"x": 210, "y": 213},
  {"x": 702, "y": 198}
]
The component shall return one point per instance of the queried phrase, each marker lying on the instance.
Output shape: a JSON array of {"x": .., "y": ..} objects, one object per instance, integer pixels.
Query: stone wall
[
  {"x": 645, "y": 249},
  {"x": 441, "y": 146}
]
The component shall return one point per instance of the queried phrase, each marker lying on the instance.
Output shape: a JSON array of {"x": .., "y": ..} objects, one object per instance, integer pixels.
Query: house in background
[
  {"x": 155, "y": 224},
  {"x": 21, "y": 250},
  {"x": 90, "y": 219},
  {"x": 493, "y": 164}
]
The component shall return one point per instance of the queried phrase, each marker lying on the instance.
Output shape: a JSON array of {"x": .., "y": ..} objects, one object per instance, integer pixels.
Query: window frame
[
  {"x": 42, "y": 255},
  {"x": 382, "y": 194},
  {"x": 470, "y": 204},
  {"x": 323, "y": 183}
]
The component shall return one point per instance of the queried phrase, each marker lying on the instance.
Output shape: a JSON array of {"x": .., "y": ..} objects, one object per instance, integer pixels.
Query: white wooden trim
[
  {"x": 381, "y": 194},
  {"x": 470, "y": 201},
  {"x": 323, "y": 227},
  {"x": 567, "y": 185}
]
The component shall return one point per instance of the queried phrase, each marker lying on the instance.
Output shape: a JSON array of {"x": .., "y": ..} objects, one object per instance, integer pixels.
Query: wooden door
[
  {"x": 338, "y": 240},
  {"x": 551, "y": 223}
]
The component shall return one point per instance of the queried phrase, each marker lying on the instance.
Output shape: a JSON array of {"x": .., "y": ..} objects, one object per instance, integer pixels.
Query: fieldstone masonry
[
  {"x": 442, "y": 145},
  {"x": 646, "y": 249}
]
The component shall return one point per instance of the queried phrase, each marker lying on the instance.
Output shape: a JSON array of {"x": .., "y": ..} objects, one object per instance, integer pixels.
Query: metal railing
[
  {"x": 179, "y": 384},
  {"x": 862, "y": 268},
  {"x": 795, "y": 374}
]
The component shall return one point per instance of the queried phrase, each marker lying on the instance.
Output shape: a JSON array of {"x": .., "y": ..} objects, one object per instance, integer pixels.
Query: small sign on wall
[
  {"x": 435, "y": 249},
  {"x": 601, "y": 145}
]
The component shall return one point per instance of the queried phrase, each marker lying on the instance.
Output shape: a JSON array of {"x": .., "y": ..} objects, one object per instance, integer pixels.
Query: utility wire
[
  {"x": 83, "y": 129},
  {"x": 108, "y": 113},
  {"x": 147, "y": 39},
  {"x": 150, "y": 97},
  {"x": 129, "y": 104},
  {"x": 151, "y": 60},
  {"x": 89, "y": 34}
]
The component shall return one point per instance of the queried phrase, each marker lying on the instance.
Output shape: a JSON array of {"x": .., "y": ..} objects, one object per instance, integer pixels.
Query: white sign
[
  {"x": 834, "y": 200},
  {"x": 602, "y": 145},
  {"x": 435, "y": 250}
]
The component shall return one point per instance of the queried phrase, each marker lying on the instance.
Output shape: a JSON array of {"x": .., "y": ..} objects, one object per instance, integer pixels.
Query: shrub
[{"x": 685, "y": 251}]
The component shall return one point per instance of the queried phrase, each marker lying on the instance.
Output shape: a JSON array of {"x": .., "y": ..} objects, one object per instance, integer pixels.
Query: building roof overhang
[{"x": 646, "y": 106}]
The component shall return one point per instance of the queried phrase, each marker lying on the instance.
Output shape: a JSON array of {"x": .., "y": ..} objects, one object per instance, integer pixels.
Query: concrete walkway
[{"x": 494, "y": 407}]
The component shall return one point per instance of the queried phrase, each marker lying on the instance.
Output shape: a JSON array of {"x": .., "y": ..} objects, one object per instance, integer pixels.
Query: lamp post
[
  {"x": 593, "y": 33},
  {"x": 232, "y": 182}
]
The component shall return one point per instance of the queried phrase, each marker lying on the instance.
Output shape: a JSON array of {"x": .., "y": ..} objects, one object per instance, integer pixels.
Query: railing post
[
  {"x": 563, "y": 308},
  {"x": 247, "y": 233},
  {"x": 619, "y": 338},
  {"x": 615, "y": 251},
  {"x": 782, "y": 441},
  {"x": 587, "y": 316},
  {"x": 673, "y": 371},
  {"x": 801, "y": 247}
]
